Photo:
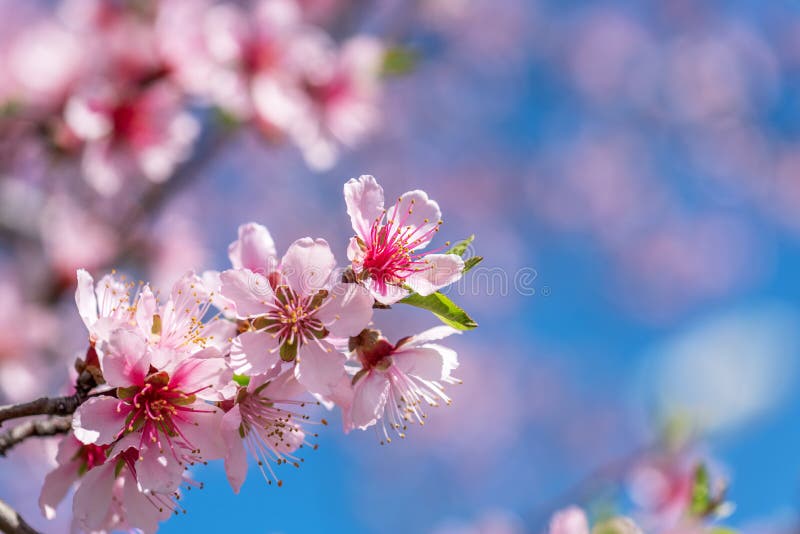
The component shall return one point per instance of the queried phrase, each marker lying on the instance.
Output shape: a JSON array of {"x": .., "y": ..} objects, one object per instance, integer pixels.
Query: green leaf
[
  {"x": 242, "y": 380},
  {"x": 443, "y": 308},
  {"x": 471, "y": 262},
  {"x": 723, "y": 530},
  {"x": 398, "y": 61},
  {"x": 461, "y": 247},
  {"x": 701, "y": 492}
]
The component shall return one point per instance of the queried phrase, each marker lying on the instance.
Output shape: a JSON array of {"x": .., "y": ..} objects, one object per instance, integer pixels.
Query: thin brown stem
[
  {"x": 12, "y": 523},
  {"x": 31, "y": 429},
  {"x": 52, "y": 405},
  {"x": 42, "y": 406}
]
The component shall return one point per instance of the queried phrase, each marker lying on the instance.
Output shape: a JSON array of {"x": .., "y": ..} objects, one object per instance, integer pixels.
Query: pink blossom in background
[
  {"x": 24, "y": 350},
  {"x": 43, "y": 60},
  {"x": 148, "y": 134},
  {"x": 74, "y": 239},
  {"x": 569, "y": 521}
]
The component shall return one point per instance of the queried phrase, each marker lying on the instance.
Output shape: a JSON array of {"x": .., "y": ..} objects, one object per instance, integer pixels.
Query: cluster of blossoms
[
  {"x": 222, "y": 367},
  {"x": 671, "y": 497},
  {"x": 119, "y": 87}
]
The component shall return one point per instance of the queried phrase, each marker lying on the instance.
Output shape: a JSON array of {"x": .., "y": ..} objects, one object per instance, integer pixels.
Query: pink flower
[
  {"x": 160, "y": 413},
  {"x": 294, "y": 313},
  {"x": 74, "y": 238},
  {"x": 385, "y": 251},
  {"x": 661, "y": 486},
  {"x": 263, "y": 422},
  {"x": 336, "y": 93},
  {"x": 24, "y": 368},
  {"x": 399, "y": 378},
  {"x": 144, "y": 133},
  {"x": 41, "y": 63},
  {"x": 254, "y": 250},
  {"x": 73, "y": 460},
  {"x": 108, "y": 497},
  {"x": 178, "y": 325},
  {"x": 104, "y": 306},
  {"x": 571, "y": 520}
]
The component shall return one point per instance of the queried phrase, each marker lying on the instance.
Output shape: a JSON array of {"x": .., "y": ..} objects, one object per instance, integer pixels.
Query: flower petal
[
  {"x": 432, "y": 334},
  {"x": 126, "y": 359},
  {"x": 254, "y": 353},
  {"x": 443, "y": 270},
  {"x": 347, "y": 311},
  {"x": 318, "y": 369},
  {"x": 56, "y": 485},
  {"x": 202, "y": 429},
  {"x": 249, "y": 291},
  {"x": 111, "y": 295},
  {"x": 158, "y": 471},
  {"x": 571, "y": 520},
  {"x": 364, "y": 199},
  {"x": 386, "y": 293},
  {"x": 254, "y": 250},
  {"x": 146, "y": 308},
  {"x": 139, "y": 510},
  {"x": 307, "y": 265},
  {"x": 283, "y": 386},
  {"x": 92, "y": 500},
  {"x": 86, "y": 299},
  {"x": 99, "y": 421},
  {"x": 425, "y": 362},
  {"x": 369, "y": 399},
  {"x": 235, "y": 453},
  {"x": 429, "y": 362},
  {"x": 205, "y": 376}
]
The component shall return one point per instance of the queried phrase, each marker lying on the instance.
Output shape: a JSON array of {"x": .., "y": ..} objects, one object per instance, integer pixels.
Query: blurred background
[{"x": 631, "y": 172}]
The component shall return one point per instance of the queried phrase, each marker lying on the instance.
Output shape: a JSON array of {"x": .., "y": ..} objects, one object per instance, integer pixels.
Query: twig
[
  {"x": 41, "y": 406},
  {"x": 12, "y": 523},
  {"x": 30, "y": 429},
  {"x": 52, "y": 405}
]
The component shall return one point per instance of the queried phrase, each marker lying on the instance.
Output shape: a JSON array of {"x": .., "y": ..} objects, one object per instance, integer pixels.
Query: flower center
[
  {"x": 157, "y": 409},
  {"x": 293, "y": 319},
  {"x": 91, "y": 456},
  {"x": 389, "y": 256}
]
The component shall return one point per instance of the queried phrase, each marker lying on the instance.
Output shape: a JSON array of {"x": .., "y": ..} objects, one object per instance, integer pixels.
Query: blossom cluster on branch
[
  {"x": 124, "y": 78},
  {"x": 224, "y": 365},
  {"x": 667, "y": 490},
  {"x": 108, "y": 109}
]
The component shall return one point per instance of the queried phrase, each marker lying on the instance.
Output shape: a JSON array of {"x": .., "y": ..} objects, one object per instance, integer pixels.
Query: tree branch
[
  {"x": 41, "y": 406},
  {"x": 52, "y": 405},
  {"x": 29, "y": 429},
  {"x": 12, "y": 523}
]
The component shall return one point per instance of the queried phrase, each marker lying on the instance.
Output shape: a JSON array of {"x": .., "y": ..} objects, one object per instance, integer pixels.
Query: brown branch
[
  {"x": 42, "y": 406},
  {"x": 52, "y": 405},
  {"x": 12, "y": 523},
  {"x": 30, "y": 429}
]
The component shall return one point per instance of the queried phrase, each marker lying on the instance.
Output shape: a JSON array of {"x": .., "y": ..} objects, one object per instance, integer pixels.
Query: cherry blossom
[
  {"x": 160, "y": 413},
  {"x": 399, "y": 378},
  {"x": 385, "y": 252},
  {"x": 293, "y": 313},
  {"x": 264, "y": 421}
]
